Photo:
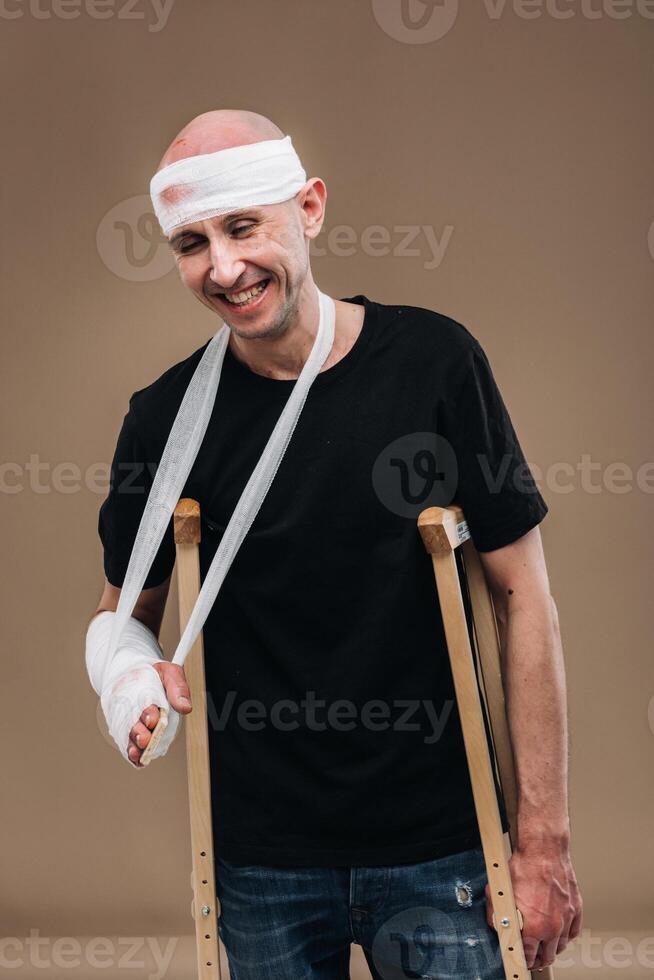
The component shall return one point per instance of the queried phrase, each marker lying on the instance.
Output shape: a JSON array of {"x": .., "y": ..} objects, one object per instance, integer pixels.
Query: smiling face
[{"x": 251, "y": 267}]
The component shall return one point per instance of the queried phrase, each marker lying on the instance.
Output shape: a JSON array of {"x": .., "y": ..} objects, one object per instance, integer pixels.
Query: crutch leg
[
  {"x": 442, "y": 531},
  {"x": 187, "y": 538}
]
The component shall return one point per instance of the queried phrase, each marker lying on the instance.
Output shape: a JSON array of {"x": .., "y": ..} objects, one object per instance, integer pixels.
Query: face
[{"x": 264, "y": 249}]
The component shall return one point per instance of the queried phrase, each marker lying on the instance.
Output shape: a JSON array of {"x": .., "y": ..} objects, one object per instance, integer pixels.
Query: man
[{"x": 342, "y": 804}]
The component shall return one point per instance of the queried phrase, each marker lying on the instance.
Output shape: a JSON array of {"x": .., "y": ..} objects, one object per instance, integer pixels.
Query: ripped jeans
[{"x": 420, "y": 920}]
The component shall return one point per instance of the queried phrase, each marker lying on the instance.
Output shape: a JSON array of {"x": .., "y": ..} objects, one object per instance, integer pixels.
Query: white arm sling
[{"x": 177, "y": 459}]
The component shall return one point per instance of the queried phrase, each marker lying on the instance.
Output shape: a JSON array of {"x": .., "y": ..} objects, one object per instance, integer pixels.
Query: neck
[{"x": 281, "y": 355}]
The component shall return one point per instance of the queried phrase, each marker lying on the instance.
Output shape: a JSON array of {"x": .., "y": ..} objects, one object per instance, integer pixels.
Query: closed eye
[{"x": 186, "y": 245}]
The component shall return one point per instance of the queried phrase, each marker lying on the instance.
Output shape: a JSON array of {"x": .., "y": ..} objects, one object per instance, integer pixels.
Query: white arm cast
[{"x": 127, "y": 682}]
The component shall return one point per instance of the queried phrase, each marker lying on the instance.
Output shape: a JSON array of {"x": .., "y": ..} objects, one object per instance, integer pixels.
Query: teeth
[{"x": 245, "y": 296}]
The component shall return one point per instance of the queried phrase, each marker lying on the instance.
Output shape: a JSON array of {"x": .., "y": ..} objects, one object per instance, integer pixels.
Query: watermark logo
[
  {"x": 415, "y": 471},
  {"x": 417, "y": 943},
  {"x": 415, "y": 21},
  {"x": 130, "y": 241}
]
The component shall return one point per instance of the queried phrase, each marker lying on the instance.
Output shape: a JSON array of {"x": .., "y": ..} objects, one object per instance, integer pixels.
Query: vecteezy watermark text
[
  {"x": 426, "y": 21},
  {"x": 341, "y": 715},
  {"x": 314, "y": 714},
  {"x": 133, "y": 247},
  {"x": 377, "y": 241},
  {"x": 98, "y": 952},
  {"x": 156, "y": 12},
  {"x": 414, "y": 475}
]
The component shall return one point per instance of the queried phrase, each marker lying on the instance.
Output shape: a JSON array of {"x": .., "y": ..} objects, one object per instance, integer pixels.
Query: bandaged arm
[{"x": 128, "y": 683}]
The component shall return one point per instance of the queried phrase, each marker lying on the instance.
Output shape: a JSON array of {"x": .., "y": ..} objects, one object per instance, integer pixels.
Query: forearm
[
  {"x": 534, "y": 676},
  {"x": 544, "y": 883},
  {"x": 149, "y": 608}
]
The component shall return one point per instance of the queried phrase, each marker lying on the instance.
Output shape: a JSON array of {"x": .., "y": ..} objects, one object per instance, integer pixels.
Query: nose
[{"x": 226, "y": 266}]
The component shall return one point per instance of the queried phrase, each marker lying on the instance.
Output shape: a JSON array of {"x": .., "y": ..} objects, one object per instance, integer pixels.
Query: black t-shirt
[{"x": 334, "y": 733}]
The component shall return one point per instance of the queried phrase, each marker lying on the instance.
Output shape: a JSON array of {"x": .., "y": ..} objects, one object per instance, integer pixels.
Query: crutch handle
[
  {"x": 156, "y": 736},
  {"x": 520, "y": 920},
  {"x": 187, "y": 531}
]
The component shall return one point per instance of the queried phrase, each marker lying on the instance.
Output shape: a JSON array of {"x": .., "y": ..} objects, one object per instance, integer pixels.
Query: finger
[
  {"x": 489, "y": 907},
  {"x": 140, "y": 735},
  {"x": 150, "y": 716},
  {"x": 564, "y": 938},
  {"x": 134, "y": 753},
  {"x": 536, "y": 964},
  {"x": 531, "y": 945},
  {"x": 177, "y": 692},
  {"x": 575, "y": 928},
  {"x": 546, "y": 953}
]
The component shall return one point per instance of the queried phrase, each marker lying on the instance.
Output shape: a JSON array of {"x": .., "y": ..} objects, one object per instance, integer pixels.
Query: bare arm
[
  {"x": 149, "y": 610},
  {"x": 534, "y": 677},
  {"x": 534, "y": 680}
]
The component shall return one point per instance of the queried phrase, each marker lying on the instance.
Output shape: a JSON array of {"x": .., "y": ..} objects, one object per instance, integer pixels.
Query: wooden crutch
[
  {"x": 443, "y": 530},
  {"x": 186, "y": 523}
]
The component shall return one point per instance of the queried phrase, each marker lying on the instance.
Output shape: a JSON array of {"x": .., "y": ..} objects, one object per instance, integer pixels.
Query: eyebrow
[{"x": 232, "y": 216}]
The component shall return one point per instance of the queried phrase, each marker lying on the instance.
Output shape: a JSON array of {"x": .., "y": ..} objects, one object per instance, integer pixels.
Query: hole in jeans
[{"x": 463, "y": 893}]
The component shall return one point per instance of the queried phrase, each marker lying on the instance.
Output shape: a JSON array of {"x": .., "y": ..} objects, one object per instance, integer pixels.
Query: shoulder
[
  {"x": 152, "y": 409},
  {"x": 433, "y": 336}
]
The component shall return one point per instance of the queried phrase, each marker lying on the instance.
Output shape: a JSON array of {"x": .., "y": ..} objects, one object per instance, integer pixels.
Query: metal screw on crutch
[
  {"x": 443, "y": 531},
  {"x": 507, "y": 922}
]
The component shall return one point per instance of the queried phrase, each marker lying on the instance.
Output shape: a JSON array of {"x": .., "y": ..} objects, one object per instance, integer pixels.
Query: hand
[
  {"x": 173, "y": 679},
  {"x": 546, "y": 892}
]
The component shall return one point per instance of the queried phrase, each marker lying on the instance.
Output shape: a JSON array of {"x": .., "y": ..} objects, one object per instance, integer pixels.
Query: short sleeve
[
  {"x": 120, "y": 514},
  {"x": 495, "y": 486}
]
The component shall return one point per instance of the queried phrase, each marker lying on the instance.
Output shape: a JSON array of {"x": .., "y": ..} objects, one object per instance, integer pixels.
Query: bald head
[{"x": 220, "y": 129}]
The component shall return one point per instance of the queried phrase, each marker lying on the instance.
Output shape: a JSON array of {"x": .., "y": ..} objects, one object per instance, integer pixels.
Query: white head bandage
[{"x": 212, "y": 184}]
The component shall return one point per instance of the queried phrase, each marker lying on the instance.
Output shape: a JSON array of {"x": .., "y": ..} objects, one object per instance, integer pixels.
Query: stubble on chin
[{"x": 274, "y": 328}]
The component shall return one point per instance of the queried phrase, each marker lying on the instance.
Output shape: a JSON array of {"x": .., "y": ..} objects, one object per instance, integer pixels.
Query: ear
[{"x": 312, "y": 200}]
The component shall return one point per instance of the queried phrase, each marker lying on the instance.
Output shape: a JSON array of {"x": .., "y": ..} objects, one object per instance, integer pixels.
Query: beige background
[{"x": 530, "y": 140}]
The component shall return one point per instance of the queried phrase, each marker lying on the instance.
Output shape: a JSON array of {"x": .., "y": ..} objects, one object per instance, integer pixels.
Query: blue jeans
[{"x": 420, "y": 920}]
